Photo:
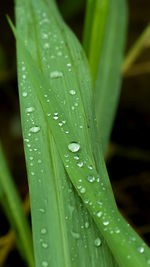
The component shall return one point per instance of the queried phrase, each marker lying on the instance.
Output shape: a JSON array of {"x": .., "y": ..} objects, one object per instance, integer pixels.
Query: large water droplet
[
  {"x": 74, "y": 147},
  {"x": 56, "y": 74},
  {"x": 35, "y": 129},
  {"x": 90, "y": 178},
  {"x": 97, "y": 242}
]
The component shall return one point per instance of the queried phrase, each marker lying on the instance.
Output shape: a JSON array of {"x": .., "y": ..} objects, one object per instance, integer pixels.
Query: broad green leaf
[
  {"x": 108, "y": 81},
  {"x": 64, "y": 232},
  {"x": 94, "y": 28},
  {"x": 52, "y": 83},
  {"x": 14, "y": 211}
]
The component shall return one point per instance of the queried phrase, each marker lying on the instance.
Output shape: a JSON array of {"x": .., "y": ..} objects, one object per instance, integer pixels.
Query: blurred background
[{"x": 128, "y": 158}]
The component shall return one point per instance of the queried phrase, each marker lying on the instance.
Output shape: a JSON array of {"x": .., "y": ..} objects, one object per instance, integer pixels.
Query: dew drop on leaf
[
  {"x": 74, "y": 147},
  {"x": 97, "y": 242},
  {"x": 35, "y": 129},
  {"x": 56, "y": 74},
  {"x": 80, "y": 164},
  {"x": 90, "y": 178},
  {"x": 140, "y": 249},
  {"x": 72, "y": 92},
  {"x": 44, "y": 264}
]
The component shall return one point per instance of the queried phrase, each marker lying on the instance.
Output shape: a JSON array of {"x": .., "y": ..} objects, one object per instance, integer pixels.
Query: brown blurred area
[{"x": 129, "y": 151}]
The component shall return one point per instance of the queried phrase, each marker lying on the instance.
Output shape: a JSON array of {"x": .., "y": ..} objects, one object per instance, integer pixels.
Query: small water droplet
[
  {"x": 75, "y": 235},
  {"x": 43, "y": 231},
  {"x": 42, "y": 210},
  {"x": 35, "y": 129},
  {"x": 99, "y": 214},
  {"x": 44, "y": 245},
  {"x": 97, "y": 242},
  {"x": 30, "y": 109},
  {"x": 90, "y": 178},
  {"x": 82, "y": 190},
  {"x": 56, "y": 74},
  {"x": 90, "y": 167},
  {"x": 86, "y": 225},
  {"x": 72, "y": 92},
  {"x": 117, "y": 231},
  {"x": 74, "y": 147},
  {"x": 106, "y": 223},
  {"x": 44, "y": 264},
  {"x": 46, "y": 45},
  {"x": 76, "y": 157},
  {"x": 80, "y": 164},
  {"x": 24, "y": 94},
  {"x": 60, "y": 124},
  {"x": 141, "y": 249}
]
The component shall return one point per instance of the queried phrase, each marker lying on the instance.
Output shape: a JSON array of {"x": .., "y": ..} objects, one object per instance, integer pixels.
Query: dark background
[{"x": 129, "y": 151}]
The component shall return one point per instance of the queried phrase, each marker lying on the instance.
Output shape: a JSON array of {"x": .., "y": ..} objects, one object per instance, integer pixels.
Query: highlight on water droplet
[
  {"x": 99, "y": 214},
  {"x": 141, "y": 249},
  {"x": 74, "y": 147},
  {"x": 97, "y": 242},
  {"x": 75, "y": 235}
]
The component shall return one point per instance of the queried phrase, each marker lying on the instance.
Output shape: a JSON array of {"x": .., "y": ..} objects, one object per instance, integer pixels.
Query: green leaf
[
  {"x": 14, "y": 211},
  {"x": 108, "y": 81},
  {"x": 65, "y": 115},
  {"x": 94, "y": 28},
  {"x": 64, "y": 233}
]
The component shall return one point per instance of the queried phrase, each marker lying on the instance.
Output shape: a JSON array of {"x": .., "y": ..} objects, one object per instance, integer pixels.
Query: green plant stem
[{"x": 136, "y": 49}]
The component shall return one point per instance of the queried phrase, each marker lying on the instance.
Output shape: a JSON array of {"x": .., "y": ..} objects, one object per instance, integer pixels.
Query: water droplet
[
  {"x": 97, "y": 242},
  {"x": 46, "y": 45},
  {"x": 86, "y": 225},
  {"x": 72, "y": 92},
  {"x": 90, "y": 167},
  {"x": 106, "y": 223},
  {"x": 43, "y": 231},
  {"x": 99, "y": 214},
  {"x": 44, "y": 245},
  {"x": 117, "y": 231},
  {"x": 44, "y": 36},
  {"x": 74, "y": 147},
  {"x": 44, "y": 264},
  {"x": 60, "y": 124},
  {"x": 30, "y": 109},
  {"x": 42, "y": 210},
  {"x": 35, "y": 129},
  {"x": 140, "y": 249},
  {"x": 80, "y": 164},
  {"x": 75, "y": 235},
  {"x": 56, "y": 74},
  {"x": 76, "y": 157},
  {"x": 90, "y": 178},
  {"x": 69, "y": 64},
  {"x": 24, "y": 94},
  {"x": 82, "y": 190},
  {"x": 55, "y": 117}
]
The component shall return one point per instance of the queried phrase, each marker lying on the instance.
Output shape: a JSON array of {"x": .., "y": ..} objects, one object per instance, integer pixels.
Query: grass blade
[
  {"x": 14, "y": 211},
  {"x": 52, "y": 89},
  {"x": 94, "y": 28},
  {"x": 59, "y": 218},
  {"x": 108, "y": 82}
]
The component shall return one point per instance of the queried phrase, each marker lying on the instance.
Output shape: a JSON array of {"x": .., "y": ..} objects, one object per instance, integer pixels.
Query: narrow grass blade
[
  {"x": 94, "y": 28},
  {"x": 64, "y": 232},
  {"x": 14, "y": 211},
  {"x": 51, "y": 87},
  {"x": 136, "y": 49},
  {"x": 108, "y": 82}
]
